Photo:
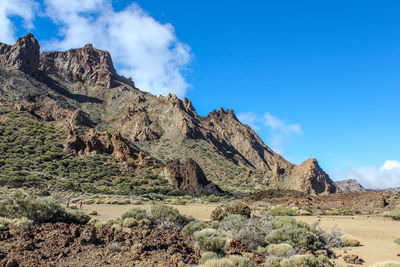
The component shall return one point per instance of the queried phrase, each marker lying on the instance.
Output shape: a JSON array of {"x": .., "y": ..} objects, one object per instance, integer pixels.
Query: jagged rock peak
[
  {"x": 221, "y": 113},
  {"x": 350, "y": 185},
  {"x": 23, "y": 55},
  {"x": 311, "y": 179},
  {"x": 189, "y": 177},
  {"x": 91, "y": 66}
]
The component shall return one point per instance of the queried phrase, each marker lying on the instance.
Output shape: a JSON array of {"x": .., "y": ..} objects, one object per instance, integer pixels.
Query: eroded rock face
[
  {"x": 350, "y": 185},
  {"x": 88, "y": 65},
  {"x": 308, "y": 177},
  {"x": 189, "y": 177},
  {"x": 23, "y": 55}
]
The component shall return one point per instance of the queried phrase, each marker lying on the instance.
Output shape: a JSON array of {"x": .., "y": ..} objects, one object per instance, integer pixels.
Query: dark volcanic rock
[
  {"x": 189, "y": 177},
  {"x": 24, "y": 55}
]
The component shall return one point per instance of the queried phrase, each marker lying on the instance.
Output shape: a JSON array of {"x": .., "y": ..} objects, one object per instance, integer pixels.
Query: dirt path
[{"x": 376, "y": 234}]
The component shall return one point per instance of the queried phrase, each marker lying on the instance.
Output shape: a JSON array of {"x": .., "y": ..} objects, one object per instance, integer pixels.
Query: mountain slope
[{"x": 53, "y": 86}]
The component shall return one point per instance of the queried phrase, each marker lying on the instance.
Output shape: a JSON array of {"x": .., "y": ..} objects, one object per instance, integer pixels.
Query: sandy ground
[{"x": 376, "y": 234}]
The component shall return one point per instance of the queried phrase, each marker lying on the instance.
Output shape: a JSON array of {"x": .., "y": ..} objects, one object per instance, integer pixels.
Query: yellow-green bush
[
  {"x": 280, "y": 249},
  {"x": 350, "y": 241},
  {"x": 129, "y": 222},
  {"x": 231, "y": 261},
  {"x": 209, "y": 240},
  {"x": 282, "y": 211},
  {"x": 194, "y": 226},
  {"x": 135, "y": 213}
]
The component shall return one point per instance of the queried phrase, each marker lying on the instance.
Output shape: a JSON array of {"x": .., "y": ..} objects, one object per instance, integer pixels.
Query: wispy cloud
[
  {"x": 374, "y": 177},
  {"x": 24, "y": 9},
  {"x": 280, "y": 132}
]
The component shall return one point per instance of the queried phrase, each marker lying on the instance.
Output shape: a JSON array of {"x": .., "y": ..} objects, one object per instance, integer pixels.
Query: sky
[{"x": 313, "y": 78}]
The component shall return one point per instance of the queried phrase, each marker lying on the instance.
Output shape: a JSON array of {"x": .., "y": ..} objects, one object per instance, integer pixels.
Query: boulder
[{"x": 189, "y": 177}]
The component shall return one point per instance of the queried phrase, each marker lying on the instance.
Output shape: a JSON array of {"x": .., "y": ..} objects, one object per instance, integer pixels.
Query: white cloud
[
  {"x": 390, "y": 165},
  {"x": 141, "y": 47},
  {"x": 280, "y": 132},
  {"x": 20, "y": 8},
  {"x": 373, "y": 177},
  {"x": 248, "y": 118}
]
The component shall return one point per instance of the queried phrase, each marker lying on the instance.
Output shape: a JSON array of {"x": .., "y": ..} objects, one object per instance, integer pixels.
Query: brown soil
[
  {"x": 359, "y": 202},
  {"x": 76, "y": 245}
]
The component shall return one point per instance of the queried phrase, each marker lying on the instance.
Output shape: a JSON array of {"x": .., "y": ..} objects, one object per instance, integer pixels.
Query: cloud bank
[
  {"x": 373, "y": 177},
  {"x": 22, "y": 9},
  {"x": 141, "y": 47},
  {"x": 280, "y": 132}
]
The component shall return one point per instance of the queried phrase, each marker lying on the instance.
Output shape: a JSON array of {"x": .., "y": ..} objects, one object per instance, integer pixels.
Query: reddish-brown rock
[
  {"x": 23, "y": 55},
  {"x": 189, "y": 177}
]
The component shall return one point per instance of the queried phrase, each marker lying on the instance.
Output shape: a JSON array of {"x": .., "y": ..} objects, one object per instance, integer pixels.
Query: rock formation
[
  {"x": 189, "y": 177},
  {"x": 350, "y": 185},
  {"x": 310, "y": 178},
  {"x": 82, "y": 84},
  {"x": 23, "y": 56}
]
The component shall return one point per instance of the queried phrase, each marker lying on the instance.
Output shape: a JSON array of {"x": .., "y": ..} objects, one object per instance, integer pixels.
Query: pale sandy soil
[{"x": 376, "y": 234}]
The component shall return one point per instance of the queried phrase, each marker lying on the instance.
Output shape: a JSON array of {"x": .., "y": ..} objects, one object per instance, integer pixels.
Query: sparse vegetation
[
  {"x": 282, "y": 211},
  {"x": 231, "y": 261},
  {"x": 350, "y": 241},
  {"x": 236, "y": 207},
  {"x": 38, "y": 210},
  {"x": 134, "y": 213},
  {"x": 209, "y": 240},
  {"x": 394, "y": 214},
  {"x": 280, "y": 249}
]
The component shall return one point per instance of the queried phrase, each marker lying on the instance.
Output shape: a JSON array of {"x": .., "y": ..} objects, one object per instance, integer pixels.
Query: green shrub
[
  {"x": 116, "y": 227},
  {"x": 160, "y": 213},
  {"x": 135, "y": 213},
  {"x": 282, "y": 211},
  {"x": 287, "y": 221},
  {"x": 280, "y": 249},
  {"x": 212, "y": 198},
  {"x": 350, "y": 241},
  {"x": 397, "y": 240},
  {"x": 129, "y": 222},
  {"x": 209, "y": 240},
  {"x": 236, "y": 207},
  {"x": 395, "y": 214},
  {"x": 300, "y": 261},
  {"x": 232, "y": 261},
  {"x": 194, "y": 226},
  {"x": 218, "y": 214},
  {"x": 39, "y": 210},
  {"x": 295, "y": 236},
  {"x": 273, "y": 261},
  {"x": 208, "y": 255},
  {"x": 93, "y": 212}
]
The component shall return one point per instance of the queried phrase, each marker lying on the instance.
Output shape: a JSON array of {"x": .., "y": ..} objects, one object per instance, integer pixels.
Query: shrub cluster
[
  {"x": 39, "y": 210},
  {"x": 236, "y": 207}
]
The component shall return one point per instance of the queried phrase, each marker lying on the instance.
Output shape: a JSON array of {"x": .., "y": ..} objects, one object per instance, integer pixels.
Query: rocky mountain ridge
[
  {"x": 350, "y": 185},
  {"x": 125, "y": 122}
]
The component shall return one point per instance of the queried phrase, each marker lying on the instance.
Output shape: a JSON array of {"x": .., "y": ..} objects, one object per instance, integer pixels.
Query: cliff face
[
  {"x": 55, "y": 85},
  {"x": 350, "y": 185}
]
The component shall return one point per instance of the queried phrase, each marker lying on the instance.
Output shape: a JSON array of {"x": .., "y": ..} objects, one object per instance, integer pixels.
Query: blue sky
[{"x": 314, "y": 78}]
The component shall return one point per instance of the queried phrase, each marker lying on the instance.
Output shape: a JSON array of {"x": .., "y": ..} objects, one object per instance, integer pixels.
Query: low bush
[
  {"x": 397, "y": 240},
  {"x": 208, "y": 255},
  {"x": 160, "y": 213},
  {"x": 280, "y": 249},
  {"x": 194, "y": 226},
  {"x": 232, "y": 261},
  {"x": 116, "y": 227},
  {"x": 252, "y": 231},
  {"x": 39, "y": 210},
  {"x": 282, "y": 211},
  {"x": 297, "y": 234},
  {"x": 273, "y": 261},
  {"x": 350, "y": 241},
  {"x": 134, "y": 213},
  {"x": 299, "y": 261},
  {"x": 341, "y": 211},
  {"x": 331, "y": 239},
  {"x": 93, "y": 212},
  {"x": 236, "y": 207},
  {"x": 129, "y": 222},
  {"x": 395, "y": 214},
  {"x": 209, "y": 240}
]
